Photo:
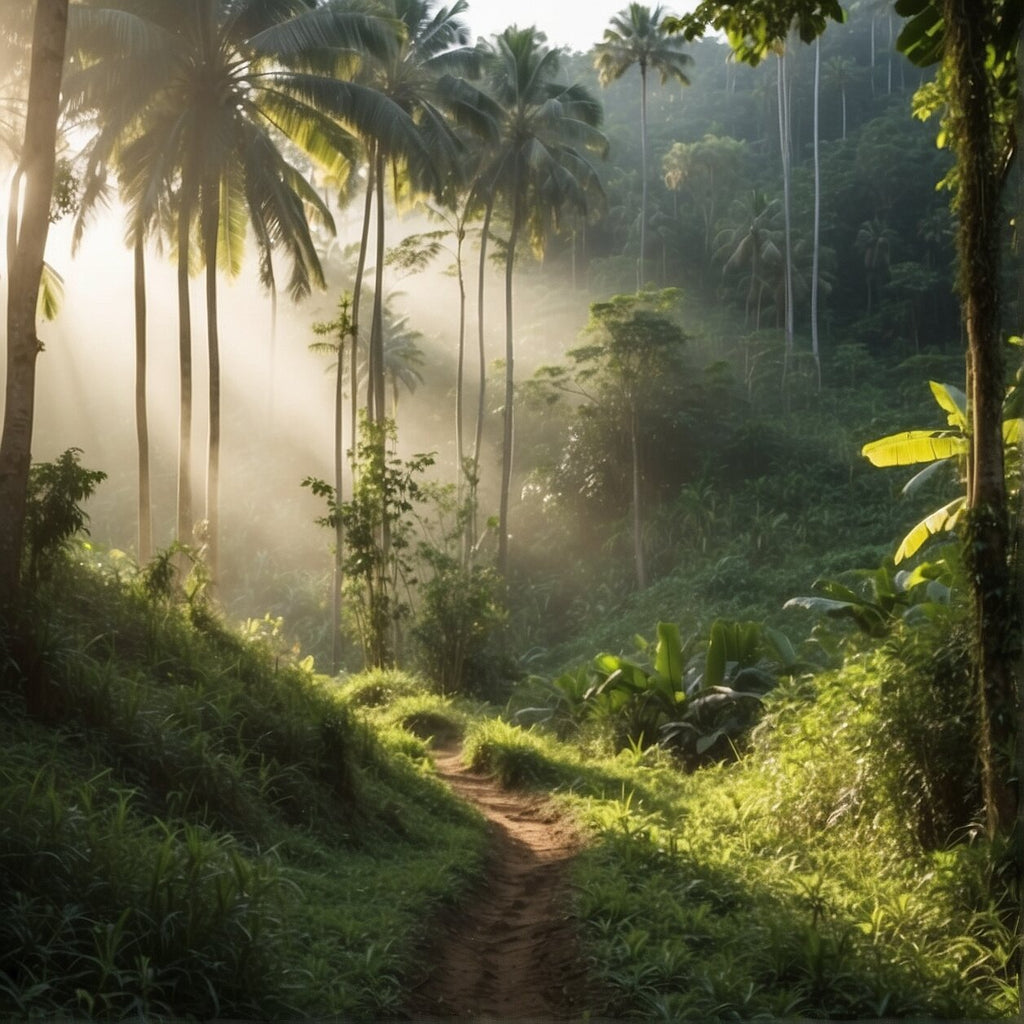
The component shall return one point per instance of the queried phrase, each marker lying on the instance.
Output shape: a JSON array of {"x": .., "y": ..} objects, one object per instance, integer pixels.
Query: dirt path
[{"x": 510, "y": 952}]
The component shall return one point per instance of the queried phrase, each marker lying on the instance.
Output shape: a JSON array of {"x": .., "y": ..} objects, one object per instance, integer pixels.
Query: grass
[
  {"x": 203, "y": 828},
  {"x": 195, "y": 825},
  {"x": 785, "y": 885}
]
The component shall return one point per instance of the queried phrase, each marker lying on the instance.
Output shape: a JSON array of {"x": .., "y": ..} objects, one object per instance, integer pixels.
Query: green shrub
[
  {"x": 53, "y": 510},
  {"x": 458, "y": 627}
]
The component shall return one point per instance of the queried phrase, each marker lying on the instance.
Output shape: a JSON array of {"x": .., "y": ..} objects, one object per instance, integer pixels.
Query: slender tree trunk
[
  {"x": 481, "y": 400},
  {"x": 508, "y": 431},
  {"x": 872, "y": 56},
  {"x": 38, "y": 159},
  {"x": 638, "y": 526},
  {"x": 460, "y": 235},
  {"x": 184, "y": 527},
  {"x": 376, "y": 385},
  {"x": 888, "y": 77},
  {"x": 337, "y": 575},
  {"x": 640, "y": 279},
  {"x": 815, "y": 260},
  {"x": 357, "y": 291},
  {"x": 996, "y": 606},
  {"x": 141, "y": 407},
  {"x": 210, "y": 228},
  {"x": 784, "y": 145}
]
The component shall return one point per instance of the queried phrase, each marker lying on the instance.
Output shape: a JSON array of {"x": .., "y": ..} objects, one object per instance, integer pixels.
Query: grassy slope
[
  {"x": 199, "y": 829},
  {"x": 782, "y": 886}
]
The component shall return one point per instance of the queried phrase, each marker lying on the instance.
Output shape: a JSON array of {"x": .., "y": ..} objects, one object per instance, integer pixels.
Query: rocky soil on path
[{"x": 509, "y": 952}]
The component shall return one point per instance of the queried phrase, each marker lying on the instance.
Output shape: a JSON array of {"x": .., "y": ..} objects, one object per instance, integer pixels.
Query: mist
[{"x": 277, "y": 395}]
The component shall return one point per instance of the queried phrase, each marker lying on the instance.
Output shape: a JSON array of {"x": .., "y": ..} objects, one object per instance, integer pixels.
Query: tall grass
[
  {"x": 789, "y": 884},
  {"x": 199, "y": 826}
]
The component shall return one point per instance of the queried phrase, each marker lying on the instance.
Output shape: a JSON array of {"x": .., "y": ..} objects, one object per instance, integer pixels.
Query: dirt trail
[{"x": 510, "y": 952}]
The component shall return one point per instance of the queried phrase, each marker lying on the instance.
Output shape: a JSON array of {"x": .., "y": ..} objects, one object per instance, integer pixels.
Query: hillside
[{"x": 196, "y": 826}]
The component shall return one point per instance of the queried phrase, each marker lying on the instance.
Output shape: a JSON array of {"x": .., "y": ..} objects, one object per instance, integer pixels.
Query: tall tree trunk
[
  {"x": 184, "y": 527},
  {"x": 996, "y": 608},
  {"x": 508, "y": 427},
  {"x": 145, "y": 514},
  {"x": 481, "y": 400},
  {"x": 36, "y": 167},
  {"x": 357, "y": 291},
  {"x": 640, "y": 281},
  {"x": 211, "y": 226},
  {"x": 784, "y": 146},
  {"x": 337, "y": 574},
  {"x": 376, "y": 386},
  {"x": 638, "y": 526},
  {"x": 815, "y": 259},
  {"x": 460, "y": 235}
]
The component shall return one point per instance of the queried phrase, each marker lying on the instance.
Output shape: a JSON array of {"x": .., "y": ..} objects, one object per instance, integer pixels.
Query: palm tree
[
  {"x": 237, "y": 78},
  {"x": 402, "y": 356},
  {"x": 839, "y": 72},
  {"x": 36, "y": 166},
  {"x": 751, "y": 244},
  {"x": 433, "y": 45},
  {"x": 637, "y": 36},
  {"x": 873, "y": 241},
  {"x": 538, "y": 166}
]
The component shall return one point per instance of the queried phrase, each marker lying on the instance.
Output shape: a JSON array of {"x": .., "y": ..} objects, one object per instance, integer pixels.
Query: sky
[{"x": 575, "y": 24}]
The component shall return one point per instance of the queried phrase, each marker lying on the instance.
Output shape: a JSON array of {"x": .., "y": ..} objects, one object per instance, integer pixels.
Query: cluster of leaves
[
  {"x": 378, "y": 528},
  {"x": 696, "y": 698},
  {"x": 54, "y": 513}
]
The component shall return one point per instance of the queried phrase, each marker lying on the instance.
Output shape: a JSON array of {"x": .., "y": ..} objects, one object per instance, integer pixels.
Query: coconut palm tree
[
  {"x": 839, "y": 73},
  {"x": 237, "y": 79},
  {"x": 751, "y": 244},
  {"x": 874, "y": 241},
  {"x": 433, "y": 45},
  {"x": 538, "y": 165},
  {"x": 637, "y": 36}
]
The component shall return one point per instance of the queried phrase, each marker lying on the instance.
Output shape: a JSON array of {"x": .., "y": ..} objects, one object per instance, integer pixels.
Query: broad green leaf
[
  {"x": 714, "y": 665},
  {"x": 668, "y": 660},
  {"x": 941, "y": 519},
  {"x": 952, "y": 401},
  {"x": 781, "y": 645},
  {"x": 1012, "y": 431},
  {"x": 914, "y": 446}
]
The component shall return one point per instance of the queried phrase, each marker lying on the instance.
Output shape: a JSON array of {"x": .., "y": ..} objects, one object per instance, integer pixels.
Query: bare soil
[{"x": 510, "y": 952}]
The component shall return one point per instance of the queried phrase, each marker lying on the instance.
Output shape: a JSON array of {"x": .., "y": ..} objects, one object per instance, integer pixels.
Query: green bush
[{"x": 458, "y": 627}]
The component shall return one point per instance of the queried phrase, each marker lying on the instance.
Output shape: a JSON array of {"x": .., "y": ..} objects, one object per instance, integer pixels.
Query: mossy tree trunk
[{"x": 996, "y": 606}]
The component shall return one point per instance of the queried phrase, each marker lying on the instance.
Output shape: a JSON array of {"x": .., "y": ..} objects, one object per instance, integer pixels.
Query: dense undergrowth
[
  {"x": 792, "y": 883},
  {"x": 193, "y": 825}
]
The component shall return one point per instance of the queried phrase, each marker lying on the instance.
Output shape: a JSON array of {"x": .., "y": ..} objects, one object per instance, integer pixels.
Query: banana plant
[
  {"x": 875, "y": 599},
  {"x": 696, "y": 696},
  {"x": 938, "y": 451}
]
